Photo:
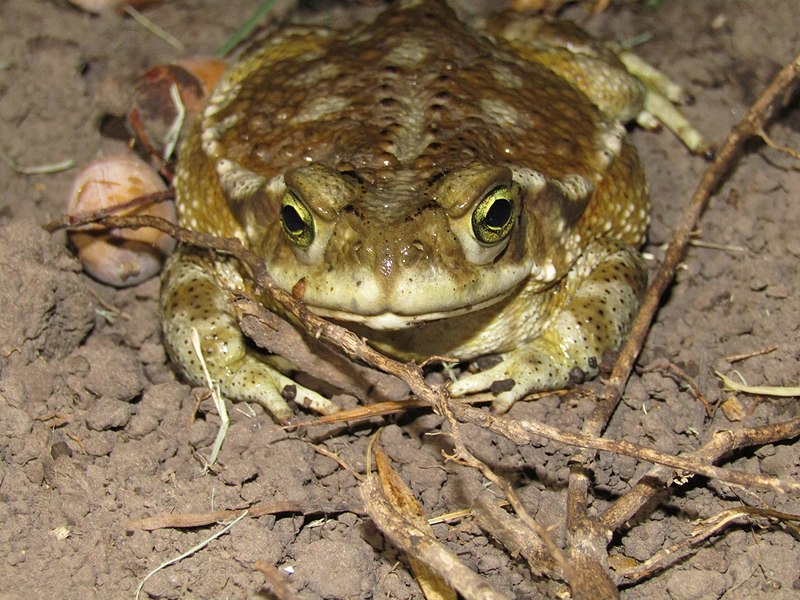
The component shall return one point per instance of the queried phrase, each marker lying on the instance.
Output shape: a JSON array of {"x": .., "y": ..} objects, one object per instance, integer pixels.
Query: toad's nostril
[
  {"x": 411, "y": 253},
  {"x": 364, "y": 254}
]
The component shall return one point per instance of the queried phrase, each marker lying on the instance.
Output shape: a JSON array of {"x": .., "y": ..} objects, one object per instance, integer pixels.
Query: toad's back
[{"x": 402, "y": 100}]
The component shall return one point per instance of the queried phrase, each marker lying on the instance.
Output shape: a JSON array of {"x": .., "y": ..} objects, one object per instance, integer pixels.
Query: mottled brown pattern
[{"x": 436, "y": 100}]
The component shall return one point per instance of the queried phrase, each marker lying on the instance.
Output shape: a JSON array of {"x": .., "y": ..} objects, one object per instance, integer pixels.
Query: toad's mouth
[
  {"x": 392, "y": 321},
  {"x": 407, "y": 298}
]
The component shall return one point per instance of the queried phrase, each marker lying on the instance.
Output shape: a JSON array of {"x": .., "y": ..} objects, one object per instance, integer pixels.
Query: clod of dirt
[
  {"x": 47, "y": 310},
  {"x": 322, "y": 558},
  {"x": 696, "y": 584},
  {"x": 115, "y": 371},
  {"x": 108, "y": 413}
]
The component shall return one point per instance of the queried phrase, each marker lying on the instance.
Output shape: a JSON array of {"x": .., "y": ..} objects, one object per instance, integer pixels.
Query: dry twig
[
  {"x": 682, "y": 376},
  {"x": 190, "y": 520},
  {"x": 705, "y": 529}
]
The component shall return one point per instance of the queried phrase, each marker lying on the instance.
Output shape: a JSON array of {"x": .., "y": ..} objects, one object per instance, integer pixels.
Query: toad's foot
[
  {"x": 595, "y": 320},
  {"x": 633, "y": 89},
  {"x": 661, "y": 100},
  {"x": 192, "y": 299}
]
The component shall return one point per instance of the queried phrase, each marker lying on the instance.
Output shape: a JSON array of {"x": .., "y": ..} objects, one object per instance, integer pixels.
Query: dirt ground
[{"x": 96, "y": 429}]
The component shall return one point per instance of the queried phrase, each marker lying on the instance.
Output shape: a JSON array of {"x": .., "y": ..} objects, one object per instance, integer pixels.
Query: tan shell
[{"x": 119, "y": 257}]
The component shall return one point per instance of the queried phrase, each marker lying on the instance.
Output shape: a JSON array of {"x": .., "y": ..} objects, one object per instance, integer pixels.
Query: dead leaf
[
  {"x": 404, "y": 502},
  {"x": 733, "y": 410}
]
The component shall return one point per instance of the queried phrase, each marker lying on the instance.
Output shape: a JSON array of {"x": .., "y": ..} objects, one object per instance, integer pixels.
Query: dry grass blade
[
  {"x": 403, "y": 501},
  {"x": 189, "y": 552},
  {"x": 732, "y": 358},
  {"x": 360, "y": 413},
  {"x": 154, "y": 29},
  {"x": 219, "y": 401},
  {"x": 763, "y": 390},
  {"x": 191, "y": 520},
  {"x": 44, "y": 169}
]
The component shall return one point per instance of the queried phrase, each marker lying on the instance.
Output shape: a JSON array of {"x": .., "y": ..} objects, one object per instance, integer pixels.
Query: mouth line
[{"x": 388, "y": 320}]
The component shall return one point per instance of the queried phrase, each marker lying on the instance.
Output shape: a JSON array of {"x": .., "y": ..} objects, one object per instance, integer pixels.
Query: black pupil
[
  {"x": 498, "y": 214},
  {"x": 291, "y": 218}
]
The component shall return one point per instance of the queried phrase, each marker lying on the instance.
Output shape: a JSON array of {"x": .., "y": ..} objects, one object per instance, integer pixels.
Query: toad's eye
[
  {"x": 493, "y": 218},
  {"x": 297, "y": 221}
]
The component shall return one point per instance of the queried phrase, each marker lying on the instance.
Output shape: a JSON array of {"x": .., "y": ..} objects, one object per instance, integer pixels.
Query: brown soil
[{"x": 95, "y": 428}]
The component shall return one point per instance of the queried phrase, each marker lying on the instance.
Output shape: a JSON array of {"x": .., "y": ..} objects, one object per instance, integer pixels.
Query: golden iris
[
  {"x": 297, "y": 221},
  {"x": 493, "y": 218}
]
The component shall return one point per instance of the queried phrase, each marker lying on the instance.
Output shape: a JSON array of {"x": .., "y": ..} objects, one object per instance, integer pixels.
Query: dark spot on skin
[
  {"x": 289, "y": 392},
  {"x": 576, "y": 376},
  {"x": 501, "y": 385},
  {"x": 486, "y": 362}
]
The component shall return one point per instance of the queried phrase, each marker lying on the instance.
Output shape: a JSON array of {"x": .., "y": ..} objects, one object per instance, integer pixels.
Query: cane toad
[{"x": 442, "y": 188}]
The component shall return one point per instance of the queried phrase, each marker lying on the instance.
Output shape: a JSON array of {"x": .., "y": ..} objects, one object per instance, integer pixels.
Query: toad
[{"x": 442, "y": 188}]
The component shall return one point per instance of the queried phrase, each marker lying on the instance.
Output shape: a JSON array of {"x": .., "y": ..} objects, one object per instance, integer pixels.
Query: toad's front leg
[
  {"x": 604, "y": 297},
  {"x": 192, "y": 298}
]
